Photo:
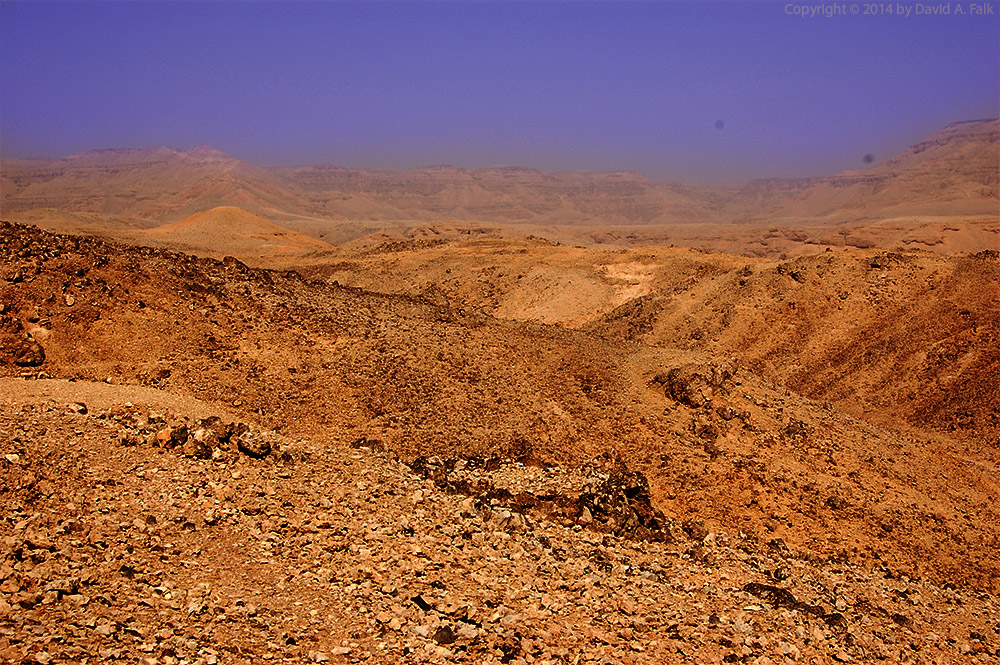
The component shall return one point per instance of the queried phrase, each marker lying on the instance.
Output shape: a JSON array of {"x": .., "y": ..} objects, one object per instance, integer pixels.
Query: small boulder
[
  {"x": 200, "y": 444},
  {"x": 445, "y": 635},
  {"x": 29, "y": 354},
  {"x": 253, "y": 445},
  {"x": 172, "y": 437}
]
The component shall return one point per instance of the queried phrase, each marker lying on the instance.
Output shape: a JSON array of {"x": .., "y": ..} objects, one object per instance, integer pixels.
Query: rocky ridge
[{"x": 941, "y": 193}]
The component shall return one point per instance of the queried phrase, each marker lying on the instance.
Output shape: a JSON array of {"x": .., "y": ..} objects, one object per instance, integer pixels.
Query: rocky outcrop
[
  {"x": 695, "y": 384},
  {"x": 604, "y": 496}
]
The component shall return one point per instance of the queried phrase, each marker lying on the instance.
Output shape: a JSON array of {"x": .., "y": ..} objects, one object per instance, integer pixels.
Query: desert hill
[
  {"x": 444, "y": 372},
  {"x": 941, "y": 193},
  {"x": 560, "y": 451},
  {"x": 954, "y": 172},
  {"x": 161, "y": 184},
  {"x": 864, "y": 330},
  {"x": 232, "y": 231},
  {"x": 316, "y": 414},
  {"x": 973, "y": 142}
]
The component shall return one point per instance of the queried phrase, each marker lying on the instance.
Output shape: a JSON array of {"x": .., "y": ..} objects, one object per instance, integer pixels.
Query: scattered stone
[
  {"x": 696, "y": 529},
  {"x": 622, "y": 505}
]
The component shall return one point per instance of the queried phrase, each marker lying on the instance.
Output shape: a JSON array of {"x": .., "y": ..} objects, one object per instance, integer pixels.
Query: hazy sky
[{"x": 699, "y": 92}]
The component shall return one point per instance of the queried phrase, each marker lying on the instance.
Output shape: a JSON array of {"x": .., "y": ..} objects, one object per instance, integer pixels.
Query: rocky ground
[
  {"x": 206, "y": 463},
  {"x": 123, "y": 543}
]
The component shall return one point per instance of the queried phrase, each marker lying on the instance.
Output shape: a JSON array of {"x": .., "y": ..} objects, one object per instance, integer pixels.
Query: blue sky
[{"x": 555, "y": 85}]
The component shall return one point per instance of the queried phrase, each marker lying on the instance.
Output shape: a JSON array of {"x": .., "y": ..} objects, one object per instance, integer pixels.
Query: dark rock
[
  {"x": 421, "y": 603},
  {"x": 780, "y": 597},
  {"x": 371, "y": 444},
  {"x": 706, "y": 431},
  {"x": 213, "y": 424},
  {"x": 794, "y": 273},
  {"x": 200, "y": 444},
  {"x": 29, "y": 599},
  {"x": 29, "y": 354},
  {"x": 699, "y": 553},
  {"x": 445, "y": 635},
  {"x": 713, "y": 449},
  {"x": 727, "y": 413},
  {"x": 694, "y": 384},
  {"x": 834, "y": 619},
  {"x": 253, "y": 445},
  {"x": 172, "y": 437},
  {"x": 622, "y": 505},
  {"x": 796, "y": 430},
  {"x": 233, "y": 431},
  {"x": 836, "y": 503},
  {"x": 696, "y": 529},
  {"x": 779, "y": 574},
  {"x": 778, "y": 545}
]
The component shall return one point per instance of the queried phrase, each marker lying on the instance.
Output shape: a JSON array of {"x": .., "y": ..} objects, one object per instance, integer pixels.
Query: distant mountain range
[{"x": 954, "y": 172}]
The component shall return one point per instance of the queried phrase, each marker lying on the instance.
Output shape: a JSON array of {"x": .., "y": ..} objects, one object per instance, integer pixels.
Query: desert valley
[{"x": 313, "y": 414}]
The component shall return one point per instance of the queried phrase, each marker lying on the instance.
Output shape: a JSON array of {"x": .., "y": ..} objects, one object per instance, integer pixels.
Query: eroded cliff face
[{"x": 953, "y": 173}]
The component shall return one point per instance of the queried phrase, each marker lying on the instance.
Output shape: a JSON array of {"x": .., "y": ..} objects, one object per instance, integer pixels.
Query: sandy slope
[
  {"x": 865, "y": 329},
  {"x": 102, "y": 396},
  {"x": 230, "y": 231}
]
